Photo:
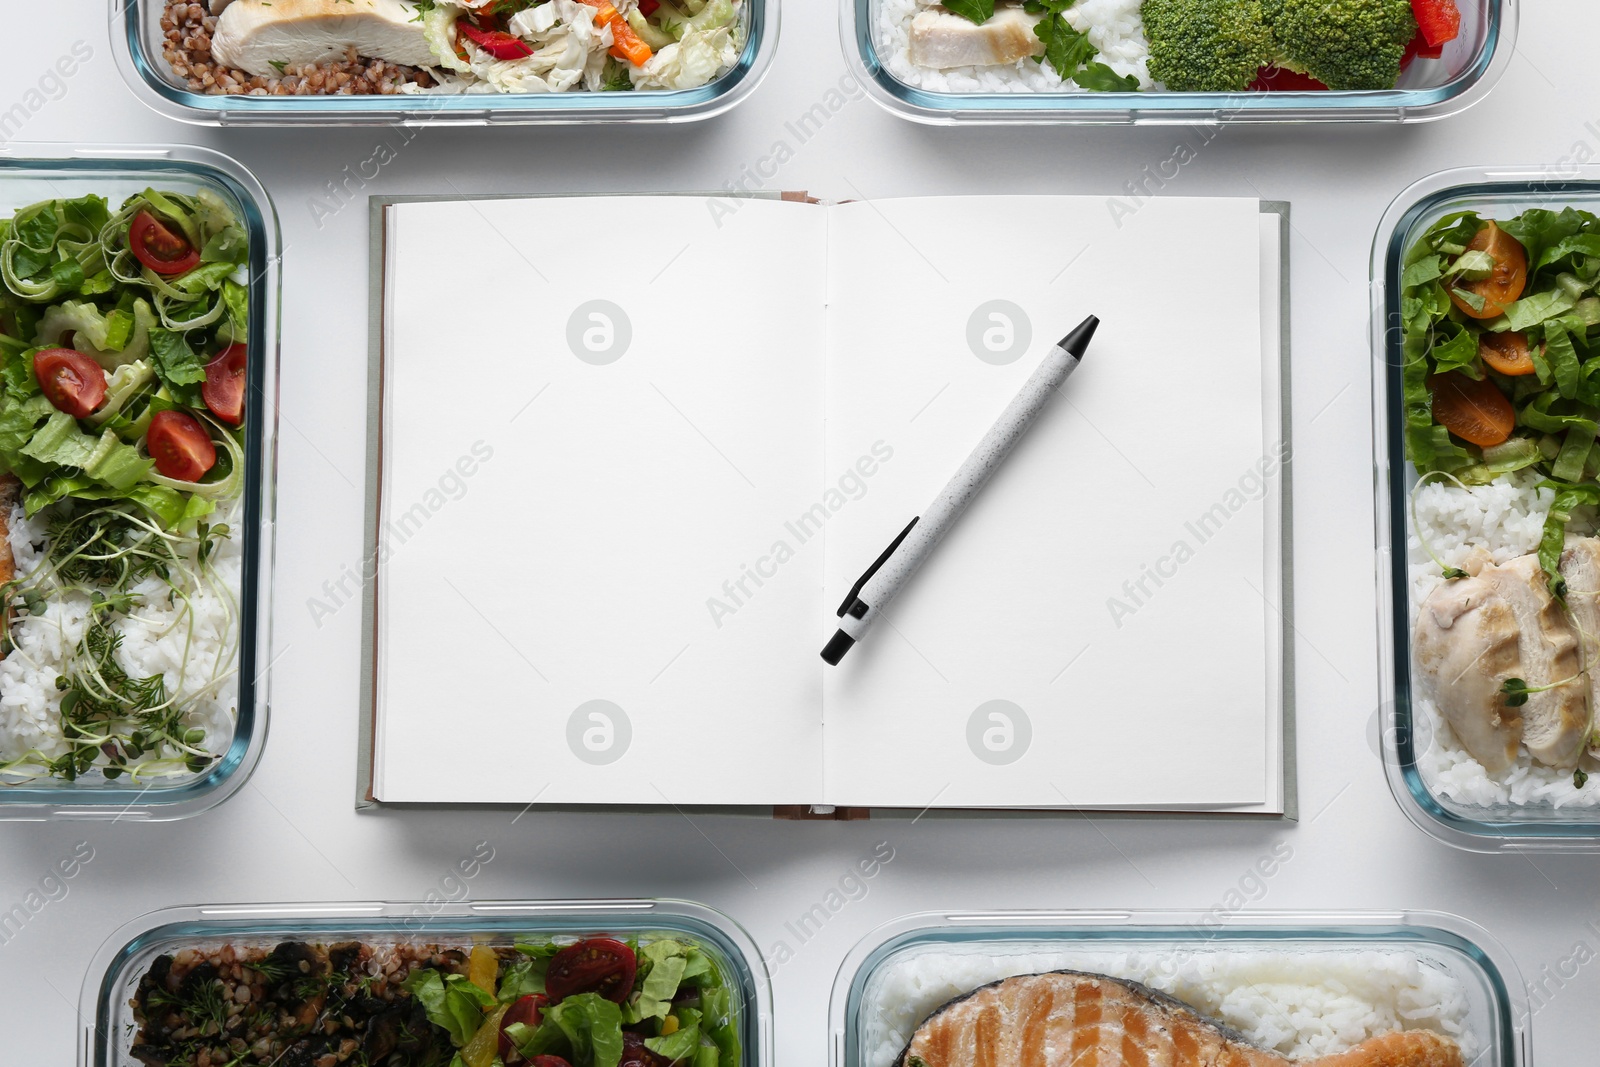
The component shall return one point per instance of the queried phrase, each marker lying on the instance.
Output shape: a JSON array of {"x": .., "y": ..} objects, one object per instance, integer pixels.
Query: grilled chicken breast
[
  {"x": 1555, "y": 723},
  {"x": 1580, "y": 566},
  {"x": 1070, "y": 1019},
  {"x": 263, "y": 36},
  {"x": 1466, "y": 645},
  {"x": 941, "y": 40}
]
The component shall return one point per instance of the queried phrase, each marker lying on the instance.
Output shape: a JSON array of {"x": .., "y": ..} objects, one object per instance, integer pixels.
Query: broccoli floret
[
  {"x": 1344, "y": 44},
  {"x": 1207, "y": 46}
]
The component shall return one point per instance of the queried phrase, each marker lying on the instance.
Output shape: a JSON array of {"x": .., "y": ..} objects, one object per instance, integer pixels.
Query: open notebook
[{"x": 630, "y": 460}]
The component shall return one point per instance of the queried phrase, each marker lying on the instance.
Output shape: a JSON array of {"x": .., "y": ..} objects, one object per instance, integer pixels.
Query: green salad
[
  {"x": 1502, "y": 358},
  {"x": 123, "y": 355},
  {"x": 597, "y": 1002}
]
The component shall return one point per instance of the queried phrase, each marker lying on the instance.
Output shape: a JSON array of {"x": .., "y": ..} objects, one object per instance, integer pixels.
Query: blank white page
[
  {"x": 1109, "y": 581},
  {"x": 608, "y": 504}
]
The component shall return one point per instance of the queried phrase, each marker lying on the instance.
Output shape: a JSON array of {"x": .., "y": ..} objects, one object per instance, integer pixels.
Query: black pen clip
[{"x": 852, "y": 598}]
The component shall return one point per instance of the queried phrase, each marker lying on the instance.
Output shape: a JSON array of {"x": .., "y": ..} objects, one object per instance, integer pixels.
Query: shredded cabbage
[{"x": 711, "y": 42}]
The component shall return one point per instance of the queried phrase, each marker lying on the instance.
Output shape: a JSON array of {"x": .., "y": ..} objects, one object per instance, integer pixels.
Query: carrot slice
[
  {"x": 1476, "y": 412},
  {"x": 625, "y": 44},
  {"x": 1506, "y": 353}
]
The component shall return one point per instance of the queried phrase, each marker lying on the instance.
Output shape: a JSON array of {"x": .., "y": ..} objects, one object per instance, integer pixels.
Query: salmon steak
[{"x": 1072, "y": 1019}]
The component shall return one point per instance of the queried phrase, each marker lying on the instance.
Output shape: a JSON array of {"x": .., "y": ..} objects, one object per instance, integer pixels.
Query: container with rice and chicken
[{"x": 1488, "y": 425}]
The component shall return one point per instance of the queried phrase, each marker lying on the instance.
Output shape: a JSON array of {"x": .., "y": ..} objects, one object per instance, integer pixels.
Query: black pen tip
[
  {"x": 837, "y": 646},
  {"x": 1077, "y": 342}
]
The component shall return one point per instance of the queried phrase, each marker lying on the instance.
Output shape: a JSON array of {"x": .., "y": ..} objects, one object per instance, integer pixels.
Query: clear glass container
[
  {"x": 1485, "y": 973},
  {"x": 136, "y": 38},
  {"x": 1431, "y": 89},
  {"x": 34, "y": 172},
  {"x": 1497, "y": 193},
  {"x": 106, "y": 1017}
]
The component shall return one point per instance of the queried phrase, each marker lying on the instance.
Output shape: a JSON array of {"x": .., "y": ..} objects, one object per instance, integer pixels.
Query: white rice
[
  {"x": 1503, "y": 519},
  {"x": 154, "y": 636},
  {"x": 1301, "y": 1004},
  {"x": 1114, "y": 27}
]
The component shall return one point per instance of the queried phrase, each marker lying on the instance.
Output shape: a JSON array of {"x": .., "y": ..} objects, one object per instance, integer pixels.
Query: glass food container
[
  {"x": 1407, "y": 736},
  {"x": 107, "y": 1018},
  {"x": 30, "y": 173},
  {"x": 137, "y": 38},
  {"x": 892, "y": 979},
  {"x": 1429, "y": 89}
]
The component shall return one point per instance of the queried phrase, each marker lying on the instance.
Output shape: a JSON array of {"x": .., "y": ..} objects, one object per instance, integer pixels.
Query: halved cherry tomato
[
  {"x": 1477, "y": 412},
  {"x": 1278, "y": 80},
  {"x": 1506, "y": 353},
  {"x": 71, "y": 381},
  {"x": 1439, "y": 21},
  {"x": 180, "y": 446},
  {"x": 1505, "y": 282},
  {"x": 497, "y": 43},
  {"x": 636, "y": 1054},
  {"x": 223, "y": 390},
  {"x": 595, "y": 965},
  {"x": 159, "y": 247},
  {"x": 529, "y": 1011}
]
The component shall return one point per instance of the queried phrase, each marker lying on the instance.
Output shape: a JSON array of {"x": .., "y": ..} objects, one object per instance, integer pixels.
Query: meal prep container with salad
[
  {"x": 1412, "y": 753},
  {"x": 128, "y": 954},
  {"x": 932, "y": 957},
  {"x": 1468, "y": 68},
  {"x": 33, "y": 173},
  {"x": 137, "y": 39}
]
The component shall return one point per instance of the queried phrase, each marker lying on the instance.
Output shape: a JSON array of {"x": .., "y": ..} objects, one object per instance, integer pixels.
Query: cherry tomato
[
  {"x": 72, "y": 381},
  {"x": 223, "y": 390},
  {"x": 180, "y": 446},
  {"x": 529, "y": 1011},
  {"x": 1507, "y": 353},
  {"x": 635, "y": 1054},
  {"x": 1505, "y": 282},
  {"x": 596, "y": 965},
  {"x": 159, "y": 247},
  {"x": 548, "y": 1061},
  {"x": 1477, "y": 412}
]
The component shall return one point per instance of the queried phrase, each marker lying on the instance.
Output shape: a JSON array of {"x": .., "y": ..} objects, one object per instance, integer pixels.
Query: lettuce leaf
[{"x": 451, "y": 1001}]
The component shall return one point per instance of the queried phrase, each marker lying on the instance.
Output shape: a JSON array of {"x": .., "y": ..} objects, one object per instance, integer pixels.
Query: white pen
[{"x": 874, "y": 589}]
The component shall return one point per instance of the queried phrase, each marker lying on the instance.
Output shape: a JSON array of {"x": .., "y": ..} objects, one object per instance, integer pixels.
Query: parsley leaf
[
  {"x": 975, "y": 11},
  {"x": 1070, "y": 52}
]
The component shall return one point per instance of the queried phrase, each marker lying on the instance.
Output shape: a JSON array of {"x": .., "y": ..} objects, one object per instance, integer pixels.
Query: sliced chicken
[
  {"x": 1068, "y": 1019},
  {"x": 1466, "y": 644},
  {"x": 941, "y": 40},
  {"x": 263, "y": 36},
  {"x": 1580, "y": 566},
  {"x": 1555, "y": 723}
]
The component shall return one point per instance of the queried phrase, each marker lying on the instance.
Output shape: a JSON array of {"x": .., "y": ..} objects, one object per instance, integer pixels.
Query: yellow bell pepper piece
[
  {"x": 483, "y": 967},
  {"x": 485, "y": 1044}
]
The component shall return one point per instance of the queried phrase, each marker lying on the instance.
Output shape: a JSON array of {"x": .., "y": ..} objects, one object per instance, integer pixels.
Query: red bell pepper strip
[
  {"x": 1419, "y": 49},
  {"x": 496, "y": 43},
  {"x": 1278, "y": 80},
  {"x": 1439, "y": 21}
]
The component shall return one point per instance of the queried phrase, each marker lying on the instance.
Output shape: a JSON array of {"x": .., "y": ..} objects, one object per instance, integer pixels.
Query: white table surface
[{"x": 292, "y": 833}]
